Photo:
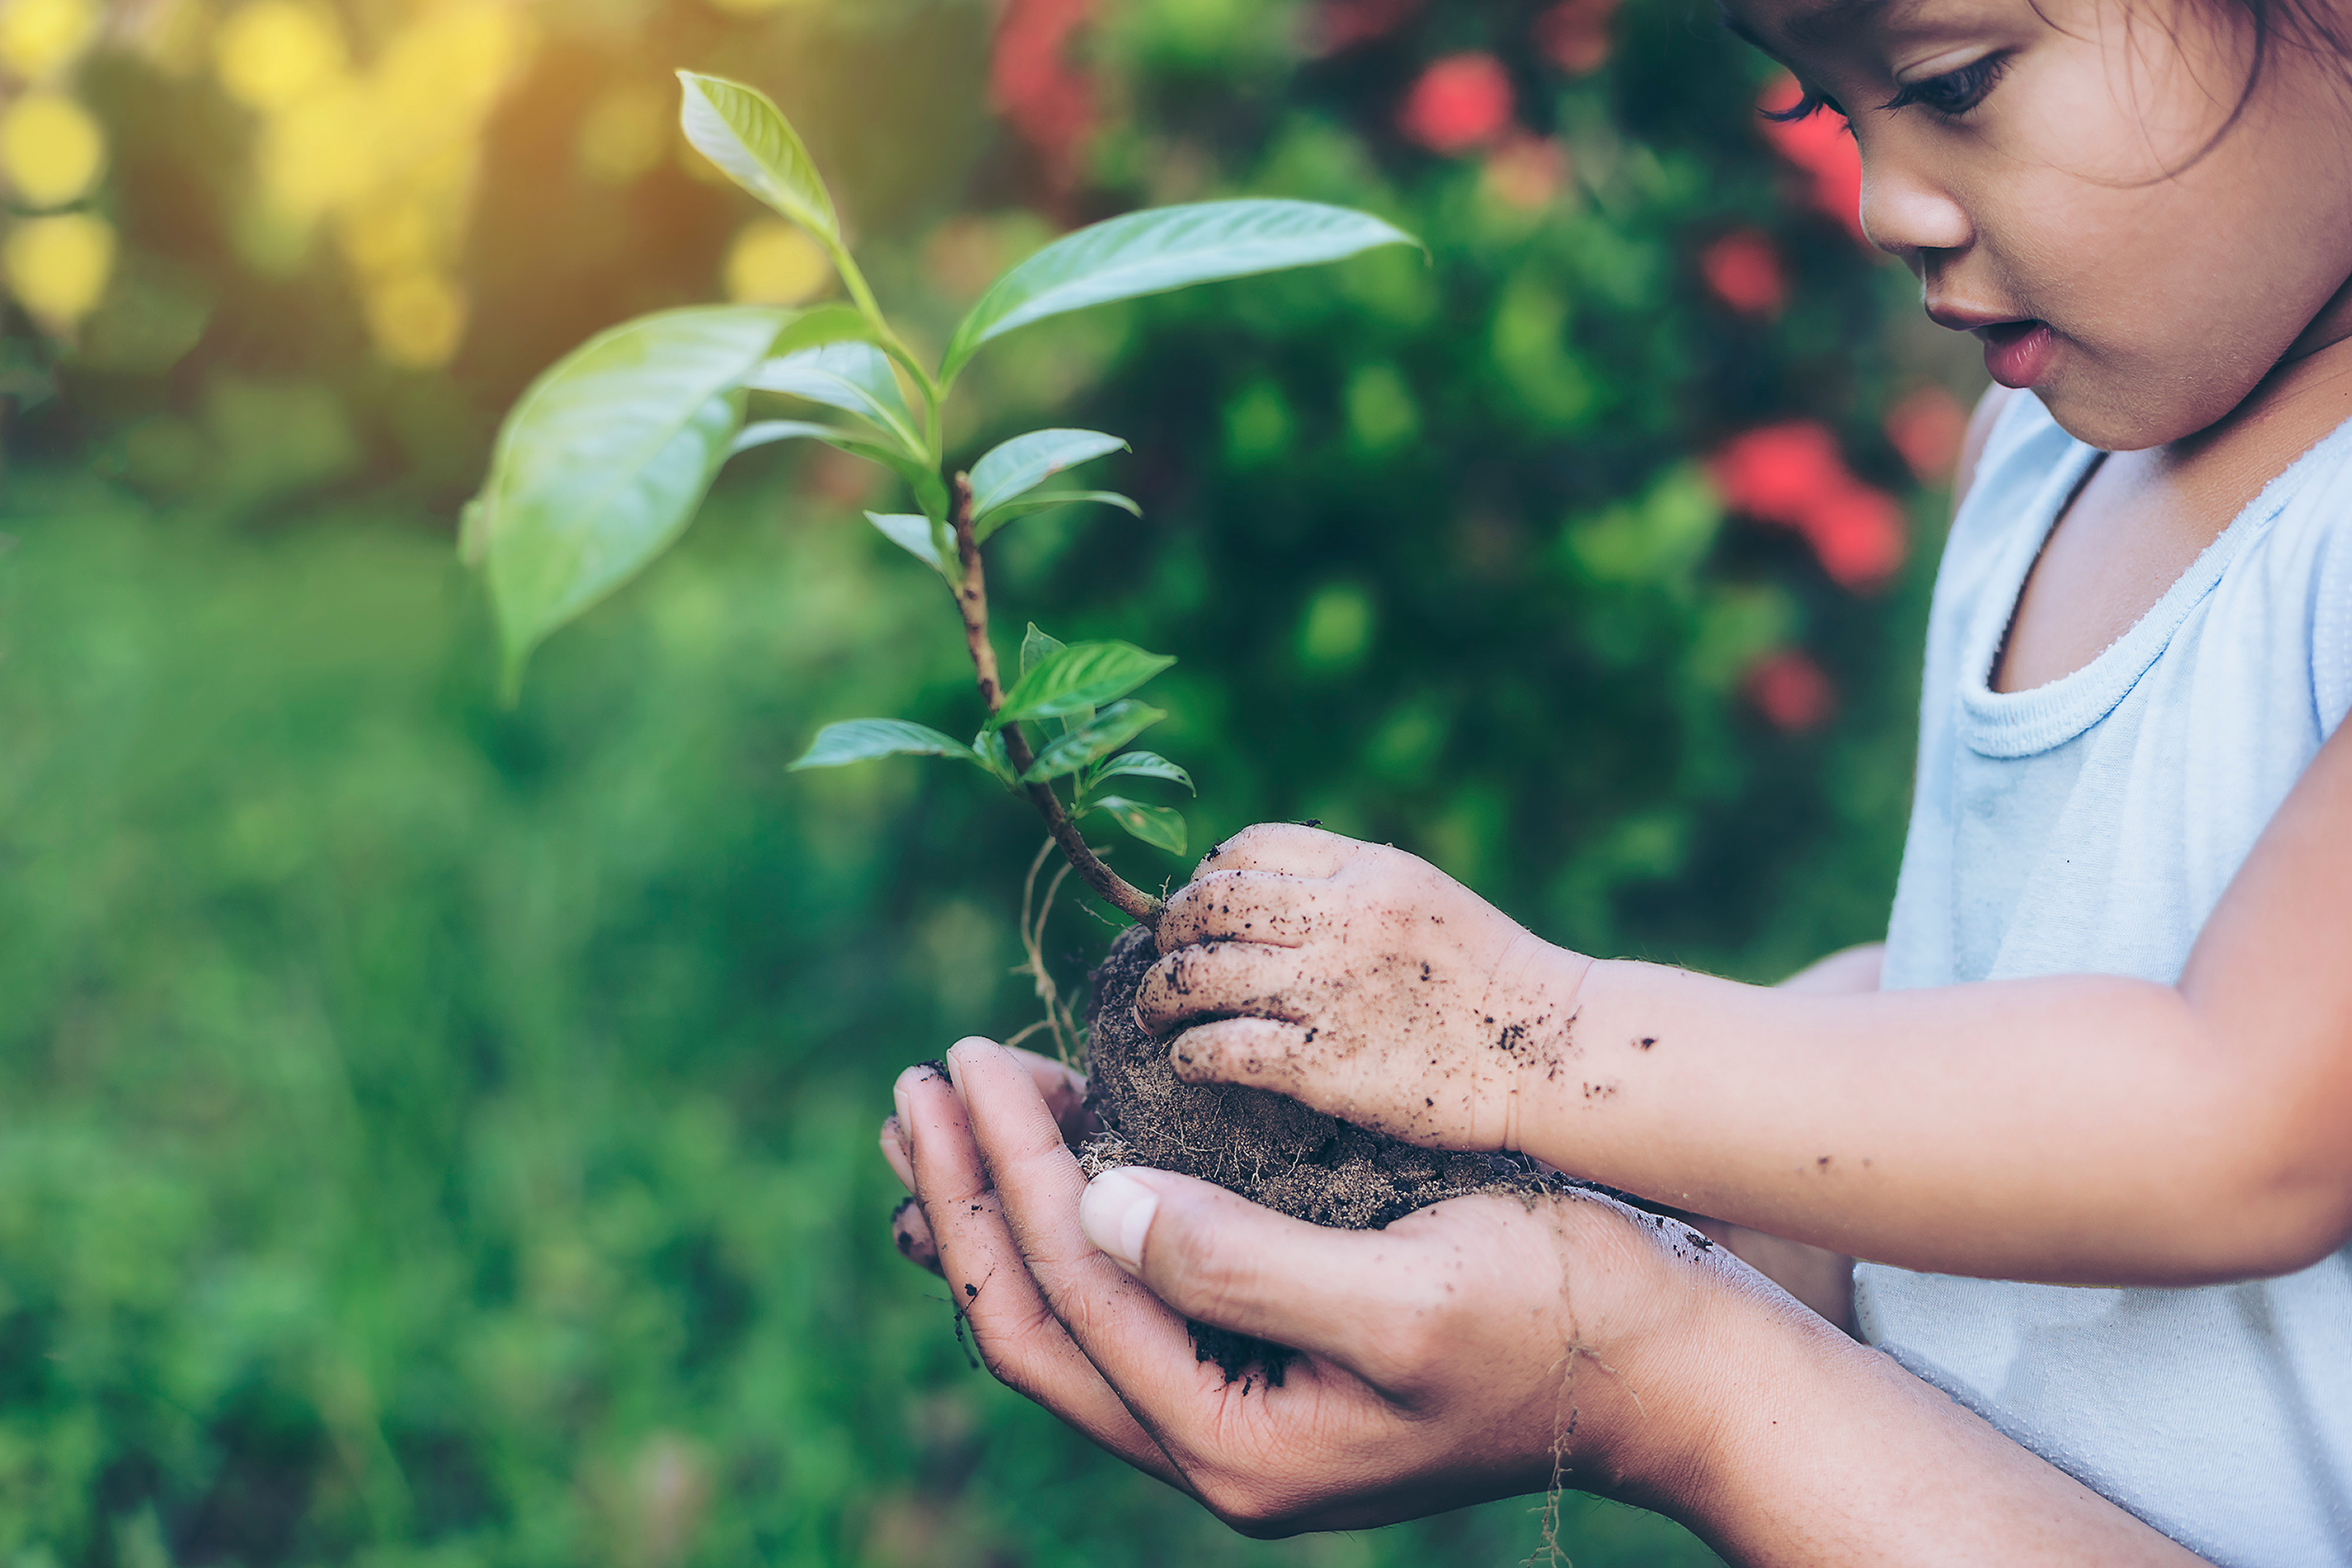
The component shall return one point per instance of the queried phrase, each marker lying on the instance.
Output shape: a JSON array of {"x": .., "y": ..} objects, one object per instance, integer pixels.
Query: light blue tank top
[{"x": 2090, "y": 826}]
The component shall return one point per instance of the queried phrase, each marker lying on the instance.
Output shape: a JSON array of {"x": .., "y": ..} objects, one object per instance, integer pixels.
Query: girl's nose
[{"x": 1906, "y": 212}]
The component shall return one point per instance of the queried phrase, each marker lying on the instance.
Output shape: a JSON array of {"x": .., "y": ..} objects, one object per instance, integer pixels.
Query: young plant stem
[{"x": 972, "y": 600}]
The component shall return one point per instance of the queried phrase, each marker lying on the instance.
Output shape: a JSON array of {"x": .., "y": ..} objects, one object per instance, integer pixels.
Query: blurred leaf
[
  {"x": 930, "y": 492},
  {"x": 1080, "y": 676},
  {"x": 1160, "y": 826},
  {"x": 989, "y": 747},
  {"x": 1114, "y": 727},
  {"x": 604, "y": 459},
  {"x": 863, "y": 740},
  {"x": 823, "y": 325},
  {"x": 1163, "y": 248},
  {"x": 1036, "y": 645},
  {"x": 1142, "y": 765},
  {"x": 854, "y": 377},
  {"x": 741, "y": 130},
  {"x": 1013, "y": 511},
  {"x": 1024, "y": 463},
  {"x": 915, "y": 536}
]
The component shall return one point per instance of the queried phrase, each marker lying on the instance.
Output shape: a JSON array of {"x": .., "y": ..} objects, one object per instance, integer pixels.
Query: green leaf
[
  {"x": 823, "y": 325},
  {"x": 1024, "y": 463},
  {"x": 863, "y": 740},
  {"x": 1163, "y": 248},
  {"x": 854, "y": 377},
  {"x": 1158, "y": 825},
  {"x": 930, "y": 492},
  {"x": 603, "y": 460},
  {"x": 740, "y": 129},
  {"x": 913, "y": 535},
  {"x": 1080, "y": 676},
  {"x": 1036, "y": 645},
  {"x": 1083, "y": 747},
  {"x": 1142, "y": 765},
  {"x": 1013, "y": 511},
  {"x": 989, "y": 746}
]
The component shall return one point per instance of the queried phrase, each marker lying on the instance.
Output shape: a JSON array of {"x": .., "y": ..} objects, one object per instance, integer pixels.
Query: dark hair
[{"x": 2319, "y": 26}]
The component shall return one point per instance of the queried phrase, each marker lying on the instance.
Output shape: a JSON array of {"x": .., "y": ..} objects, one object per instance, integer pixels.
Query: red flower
[
  {"x": 1744, "y": 270},
  {"x": 1819, "y": 146},
  {"x": 1792, "y": 474},
  {"x": 1574, "y": 33},
  {"x": 1033, "y": 84},
  {"x": 1459, "y": 102},
  {"x": 1927, "y": 427},
  {"x": 1789, "y": 689},
  {"x": 1342, "y": 24}
]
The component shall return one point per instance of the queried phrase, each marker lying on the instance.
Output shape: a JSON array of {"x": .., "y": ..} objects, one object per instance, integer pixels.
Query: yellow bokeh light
[
  {"x": 417, "y": 320},
  {"x": 323, "y": 151},
  {"x": 440, "y": 76},
  {"x": 40, "y": 37},
  {"x": 57, "y": 267},
  {"x": 51, "y": 149},
  {"x": 774, "y": 263},
  {"x": 753, "y": 7},
  {"x": 624, "y": 133},
  {"x": 272, "y": 53},
  {"x": 388, "y": 235}
]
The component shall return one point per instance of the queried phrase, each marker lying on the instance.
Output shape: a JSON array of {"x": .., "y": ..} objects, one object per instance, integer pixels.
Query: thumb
[{"x": 1219, "y": 1259}]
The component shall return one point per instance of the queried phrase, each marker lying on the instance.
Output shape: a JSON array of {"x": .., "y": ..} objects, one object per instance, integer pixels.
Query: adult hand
[
  {"x": 1457, "y": 1355},
  {"x": 1366, "y": 982},
  {"x": 1477, "y": 1349}
]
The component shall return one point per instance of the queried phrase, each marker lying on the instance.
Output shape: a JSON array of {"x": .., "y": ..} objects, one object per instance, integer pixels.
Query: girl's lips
[{"x": 2018, "y": 353}]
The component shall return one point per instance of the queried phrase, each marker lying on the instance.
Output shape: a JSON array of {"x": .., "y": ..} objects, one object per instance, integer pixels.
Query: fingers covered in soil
[
  {"x": 989, "y": 1283},
  {"x": 1247, "y": 905},
  {"x": 1225, "y": 979},
  {"x": 1284, "y": 846},
  {"x": 1269, "y": 1148},
  {"x": 1423, "y": 1012},
  {"x": 1124, "y": 1329}
]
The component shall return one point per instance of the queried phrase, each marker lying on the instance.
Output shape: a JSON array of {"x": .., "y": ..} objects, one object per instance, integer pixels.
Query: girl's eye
[
  {"x": 1955, "y": 92},
  {"x": 1805, "y": 107}
]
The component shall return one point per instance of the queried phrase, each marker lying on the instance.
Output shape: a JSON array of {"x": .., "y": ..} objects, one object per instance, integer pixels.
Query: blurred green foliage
[{"x": 443, "y": 1135}]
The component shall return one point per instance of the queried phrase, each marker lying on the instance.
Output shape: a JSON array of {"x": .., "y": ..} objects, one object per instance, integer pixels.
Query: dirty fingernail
[
  {"x": 954, "y": 1065},
  {"x": 1116, "y": 1215}
]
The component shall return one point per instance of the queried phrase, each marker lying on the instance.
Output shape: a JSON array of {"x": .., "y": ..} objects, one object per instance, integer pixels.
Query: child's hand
[{"x": 1366, "y": 982}]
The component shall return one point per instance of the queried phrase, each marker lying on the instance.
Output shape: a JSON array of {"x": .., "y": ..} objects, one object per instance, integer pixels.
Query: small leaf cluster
[
  {"x": 1078, "y": 692},
  {"x": 607, "y": 456}
]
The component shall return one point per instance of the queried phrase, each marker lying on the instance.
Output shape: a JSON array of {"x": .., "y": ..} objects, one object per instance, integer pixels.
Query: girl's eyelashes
[
  {"x": 1952, "y": 94},
  {"x": 1955, "y": 92},
  {"x": 1805, "y": 107}
]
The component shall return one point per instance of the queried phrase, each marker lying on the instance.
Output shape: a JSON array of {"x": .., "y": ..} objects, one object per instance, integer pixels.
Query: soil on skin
[{"x": 1270, "y": 1149}]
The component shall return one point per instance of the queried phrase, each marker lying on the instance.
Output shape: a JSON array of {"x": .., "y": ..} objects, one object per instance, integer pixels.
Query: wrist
[
  {"x": 1533, "y": 992},
  {"x": 1752, "y": 1388}
]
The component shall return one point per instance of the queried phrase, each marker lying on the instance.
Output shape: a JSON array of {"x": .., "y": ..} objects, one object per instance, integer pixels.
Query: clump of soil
[{"x": 1270, "y": 1149}]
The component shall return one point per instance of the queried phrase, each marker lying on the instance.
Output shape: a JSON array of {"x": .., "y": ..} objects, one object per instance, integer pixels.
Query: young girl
[{"x": 2087, "y": 1117}]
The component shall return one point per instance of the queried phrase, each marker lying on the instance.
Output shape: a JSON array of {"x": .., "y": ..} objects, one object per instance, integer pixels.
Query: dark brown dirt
[{"x": 1270, "y": 1149}]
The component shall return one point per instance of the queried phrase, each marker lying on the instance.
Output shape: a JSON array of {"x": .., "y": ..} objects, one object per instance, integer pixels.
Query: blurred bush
[{"x": 443, "y": 1135}]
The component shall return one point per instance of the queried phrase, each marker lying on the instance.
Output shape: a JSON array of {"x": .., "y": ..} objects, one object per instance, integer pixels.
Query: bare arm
[
  {"x": 1475, "y": 1349},
  {"x": 2078, "y": 1130},
  {"x": 1819, "y": 1278}
]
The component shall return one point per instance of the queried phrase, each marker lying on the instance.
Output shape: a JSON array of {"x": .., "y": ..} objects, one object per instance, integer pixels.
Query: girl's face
[{"x": 2038, "y": 166}]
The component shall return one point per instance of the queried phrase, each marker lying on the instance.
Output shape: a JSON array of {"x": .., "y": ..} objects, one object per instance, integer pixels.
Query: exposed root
[{"x": 1060, "y": 1019}]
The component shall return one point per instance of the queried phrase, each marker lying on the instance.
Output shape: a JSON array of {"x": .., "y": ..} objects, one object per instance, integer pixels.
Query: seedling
[
  {"x": 608, "y": 455},
  {"x": 605, "y": 459}
]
